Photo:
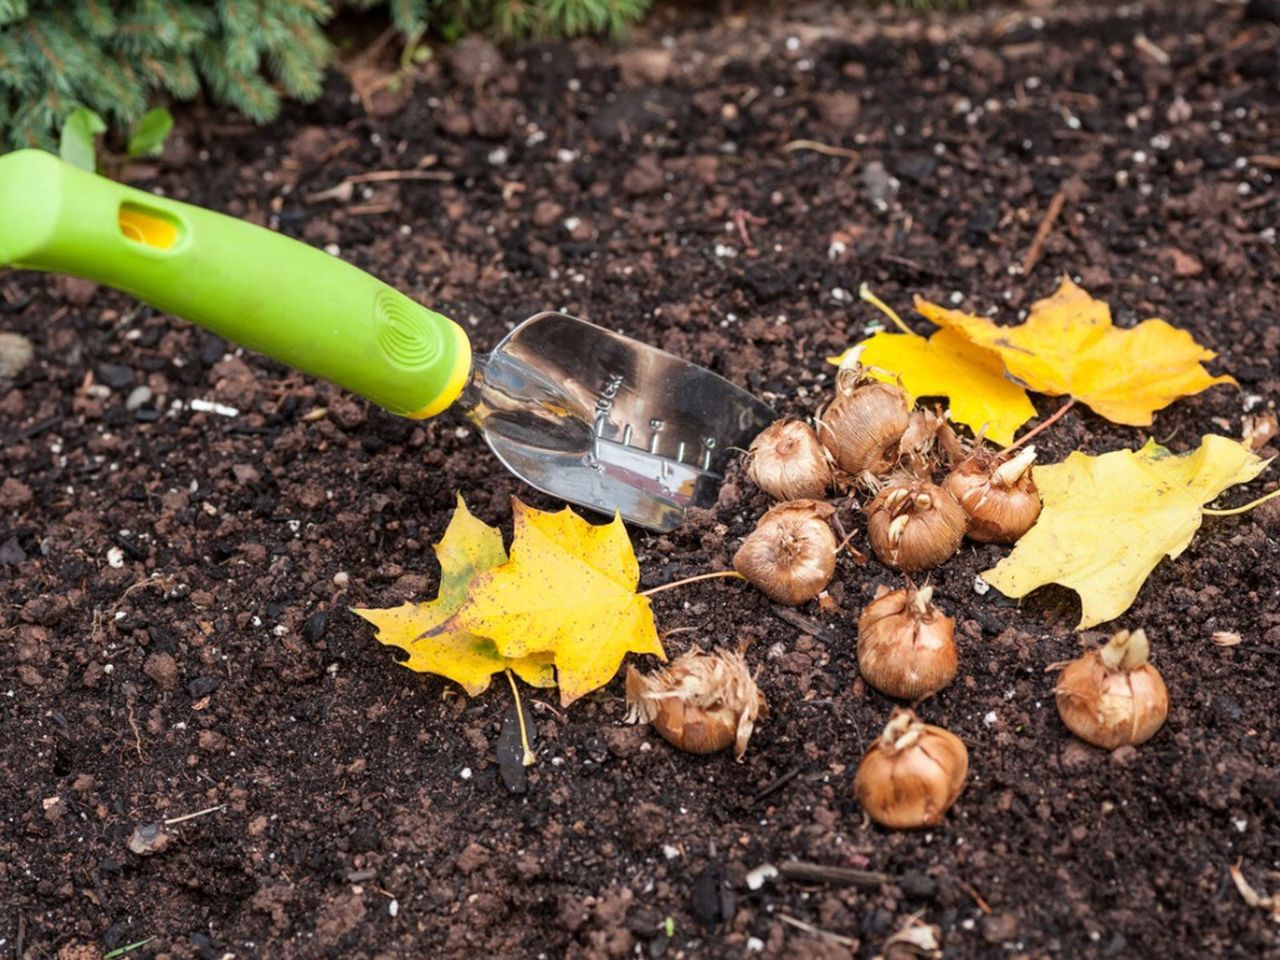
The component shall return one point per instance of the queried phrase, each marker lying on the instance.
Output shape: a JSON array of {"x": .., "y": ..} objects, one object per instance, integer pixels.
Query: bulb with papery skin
[
  {"x": 906, "y": 645},
  {"x": 912, "y": 773},
  {"x": 914, "y": 525},
  {"x": 787, "y": 462},
  {"x": 1112, "y": 696},
  {"x": 701, "y": 703},
  {"x": 864, "y": 424},
  {"x": 997, "y": 493},
  {"x": 791, "y": 554}
]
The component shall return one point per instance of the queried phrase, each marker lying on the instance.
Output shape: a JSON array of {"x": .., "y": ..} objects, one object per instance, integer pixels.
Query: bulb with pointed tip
[
  {"x": 787, "y": 462},
  {"x": 912, "y": 773},
  {"x": 914, "y": 525},
  {"x": 906, "y": 645},
  {"x": 1112, "y": 696},
  {"x": 791, "y": 554},
  {"x": 997, "y": 493}
]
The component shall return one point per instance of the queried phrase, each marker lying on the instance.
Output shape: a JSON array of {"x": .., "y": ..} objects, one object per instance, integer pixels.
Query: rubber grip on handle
[{"x": 266, "y": 291}]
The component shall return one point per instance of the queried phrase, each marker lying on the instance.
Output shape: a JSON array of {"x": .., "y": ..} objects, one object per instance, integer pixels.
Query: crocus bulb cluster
[
  {"x": 906, "y": 645},
  {"x": 912, "y": 773},
  {"x": 1112, "y": 696},
  {"x": 791, "y": 554},
  {"x": 701, "y": 703}
]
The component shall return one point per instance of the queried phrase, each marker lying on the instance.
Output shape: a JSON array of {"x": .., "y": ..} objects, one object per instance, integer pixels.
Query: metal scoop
[{"x": 574, "y": 410}]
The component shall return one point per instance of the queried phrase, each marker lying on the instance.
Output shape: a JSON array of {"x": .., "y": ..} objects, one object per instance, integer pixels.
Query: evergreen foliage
[{"x": 116, "y": 57}]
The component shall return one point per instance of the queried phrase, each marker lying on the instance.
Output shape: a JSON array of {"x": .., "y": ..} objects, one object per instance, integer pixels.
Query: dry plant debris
[{"x": 701, "y": 703}]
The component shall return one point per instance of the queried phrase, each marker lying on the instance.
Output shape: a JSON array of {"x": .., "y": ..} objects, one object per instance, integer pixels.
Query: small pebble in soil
[
  {"x": 202, "y": 687},
  {"x": 149, "y": 839},
  {"x": 15, "y": 353},
  {"x": 115, "y": 375},
  {"x": 138, "y": 397},
  {"x": 313, "y": 628},
  {"x": 341, "y": 578}
]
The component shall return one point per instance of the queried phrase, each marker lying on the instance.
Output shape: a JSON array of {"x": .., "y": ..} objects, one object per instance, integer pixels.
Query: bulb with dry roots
[
  {"x": 912, "y": 774},
  {"x": 864, "y": 424},
  {"x": 997, "y": 493},
  {"x": 906, "y": 645},
  {"x": 787, "y": 462},
  {"x": 914, "y": 525},
  {"x": 701, "y": 703},
  {"x": 791, "y": 554},
  {"x": 1112, "y": 696},
  {"x": 927, "y": 441}
]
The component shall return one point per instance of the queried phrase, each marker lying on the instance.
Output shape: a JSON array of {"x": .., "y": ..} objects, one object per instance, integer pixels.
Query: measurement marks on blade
[{"x": 697, "y": 455}]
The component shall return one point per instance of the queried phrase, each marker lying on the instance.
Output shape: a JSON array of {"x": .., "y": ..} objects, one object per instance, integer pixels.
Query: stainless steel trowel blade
[{"x": 607, "y": 422}]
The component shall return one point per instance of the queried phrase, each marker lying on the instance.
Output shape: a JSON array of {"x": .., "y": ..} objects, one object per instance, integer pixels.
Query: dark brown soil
[{"x": 175, "y": 634}]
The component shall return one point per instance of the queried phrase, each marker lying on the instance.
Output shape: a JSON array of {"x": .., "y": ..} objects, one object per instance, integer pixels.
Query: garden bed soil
[{"x": 175, "y": 631}]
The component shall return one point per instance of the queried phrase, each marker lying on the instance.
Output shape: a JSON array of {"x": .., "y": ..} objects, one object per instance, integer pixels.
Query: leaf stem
[
  {"x": 865, "y": 293},
  {"x": 701, "y": 576},
  {"x": 1245, "y": 509},
  {"x": 1071, "y": 402},
  {"x": 529, "y": 757}
]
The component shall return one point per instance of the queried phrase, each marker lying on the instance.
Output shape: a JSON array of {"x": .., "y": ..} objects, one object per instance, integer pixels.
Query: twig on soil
[
  {"x": 191, "y": 816},
  {"x": 977, "y": 897},
  {"x": 817, "y": 931},
  {"x": 22, "y": 936},
  {"x": 1250, "y": 895},
  {"x": 1265, "y": 160},
  {"x": 1042, "y": 232},
  {"x": 825, "y": 149},
  {"x": 774, "y": 786},
  {"x": 1040, "y": 428},
  {"x": 812, "y": 627},
  {"x": 840, "y": 876},
  {"x": 137, "y": 737},
  {"x": 741, "y": 217}
]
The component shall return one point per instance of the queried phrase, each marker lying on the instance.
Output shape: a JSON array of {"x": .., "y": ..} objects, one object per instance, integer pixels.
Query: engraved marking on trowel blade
[
  {"x": 656, "y": 426},
  {"x": 680, "y": 452},
  {"x": 708, "y": 447},
  {"x": 626, "y": 435}
]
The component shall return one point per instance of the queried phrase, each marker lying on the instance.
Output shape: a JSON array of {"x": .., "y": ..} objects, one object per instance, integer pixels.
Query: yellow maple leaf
[
  {"x": 1068, "y": 346},
  {"x": 948, "y": 365},
  {"x": 569, "y": 590},
  {"x": 1108, "y": 520},
  {"x": 469, "y": 547}
]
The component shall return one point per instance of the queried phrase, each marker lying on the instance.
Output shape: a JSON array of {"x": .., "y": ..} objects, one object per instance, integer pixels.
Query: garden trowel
[{"x": 574, "y": 410}]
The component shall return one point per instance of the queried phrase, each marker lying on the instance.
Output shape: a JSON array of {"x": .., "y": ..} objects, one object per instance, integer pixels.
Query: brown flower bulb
[
  {"x": 791, "y": 554},
  {"x": 997, "y": 493},
  {"x": 787, "y": 462},
  {"x": 701, "y": 703},
  {"x": 1112, "y": 696},
  {"x": 912, "y": 774},
  {"x": 914, "y": 525},
  {"x": 863, "y": 425},
  {"x": 906, "y": 645}
]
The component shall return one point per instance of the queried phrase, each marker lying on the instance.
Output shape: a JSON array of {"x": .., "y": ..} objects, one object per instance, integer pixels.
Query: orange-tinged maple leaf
[
  {"x": 1068, "y": 346},
  {"x": 569, "y": 591},
  {"x": 469, "y": 547}
]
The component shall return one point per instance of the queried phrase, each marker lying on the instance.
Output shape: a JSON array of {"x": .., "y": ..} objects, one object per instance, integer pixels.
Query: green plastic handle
[{"x": 266, "y": 291}]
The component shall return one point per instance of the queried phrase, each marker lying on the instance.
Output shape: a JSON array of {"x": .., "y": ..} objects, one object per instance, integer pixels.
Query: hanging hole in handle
[{"x": 148, "y": 226}]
